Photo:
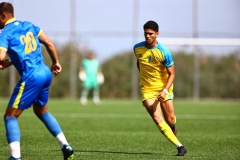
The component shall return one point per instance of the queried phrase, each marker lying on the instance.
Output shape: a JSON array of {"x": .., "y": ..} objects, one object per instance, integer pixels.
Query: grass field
[{"x": 122, "y": 130}]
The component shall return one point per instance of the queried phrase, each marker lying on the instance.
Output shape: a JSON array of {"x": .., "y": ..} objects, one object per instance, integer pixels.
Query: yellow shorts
[{"x": 149, "y": 94}]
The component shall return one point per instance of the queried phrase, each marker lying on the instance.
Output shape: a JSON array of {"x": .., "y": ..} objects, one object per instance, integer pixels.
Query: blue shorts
[{"x": 32, "y": 90}]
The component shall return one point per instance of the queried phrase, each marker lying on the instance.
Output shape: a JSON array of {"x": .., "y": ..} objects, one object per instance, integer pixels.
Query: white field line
[{"x": 137, "y": 116}]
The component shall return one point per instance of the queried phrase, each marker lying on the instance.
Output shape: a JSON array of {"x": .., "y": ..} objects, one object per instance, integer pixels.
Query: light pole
[
  {"x": 73, "y": 58},
  {"x": 134, "y": 85},
  {"x": 196, "y": 56}
]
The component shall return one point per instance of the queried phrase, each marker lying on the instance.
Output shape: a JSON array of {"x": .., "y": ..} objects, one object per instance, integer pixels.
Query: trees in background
[
  {"x": 117, "y": 72},
  {"x": 219, "y": 75}
]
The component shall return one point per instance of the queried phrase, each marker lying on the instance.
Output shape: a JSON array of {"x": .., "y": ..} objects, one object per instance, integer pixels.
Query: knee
[
  {"x": 39, "y": 110},
  {"x": 12, "y": 112}
]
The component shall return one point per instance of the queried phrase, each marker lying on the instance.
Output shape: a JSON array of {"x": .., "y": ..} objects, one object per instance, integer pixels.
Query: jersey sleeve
[
  {"x": 141, "y": 44},
  {"x": 168, "y": 59},
  {"x": 134, "y": 47},
  {"x": 3, "y": 41},
  {"x": 37, "y": 30}
]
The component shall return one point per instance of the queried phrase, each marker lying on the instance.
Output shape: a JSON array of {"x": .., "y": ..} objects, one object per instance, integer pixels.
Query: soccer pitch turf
[{"x": 122, "y": 130}]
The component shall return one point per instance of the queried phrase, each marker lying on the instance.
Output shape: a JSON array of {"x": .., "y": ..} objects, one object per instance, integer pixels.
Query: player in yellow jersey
[{"x": 156, "y": 67}]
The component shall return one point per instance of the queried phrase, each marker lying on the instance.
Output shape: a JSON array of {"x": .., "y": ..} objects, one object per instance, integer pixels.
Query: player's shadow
[{"x": 115, "y": 152}]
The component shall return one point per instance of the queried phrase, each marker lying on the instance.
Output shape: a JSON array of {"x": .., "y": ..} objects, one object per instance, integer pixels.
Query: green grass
[{"x": 122, "y": 130}]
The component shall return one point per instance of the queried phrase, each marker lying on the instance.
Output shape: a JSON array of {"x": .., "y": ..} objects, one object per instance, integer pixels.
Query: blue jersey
[{"x": 20, "y": 39}]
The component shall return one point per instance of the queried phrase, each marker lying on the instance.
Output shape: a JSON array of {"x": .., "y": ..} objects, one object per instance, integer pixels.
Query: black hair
[
  {"x": 6, "y": 7},
  {"x": 151, "y": 25}
]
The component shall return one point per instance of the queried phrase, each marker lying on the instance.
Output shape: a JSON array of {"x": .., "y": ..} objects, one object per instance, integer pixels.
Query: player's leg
[
  {"x": 84, "y": 94},
  {"x": 153, "y": 108},
  {"x": 19, "y": 101},
  {"x": 168, "y": 113},
  {"x": 96, "y": 97},
  {"x": 96, "y": 91},
  {"x": 22, "y": 97},
  {"x": 41, "y": 111},
  {"x": 13, "y": 131},
  {"x": 54, "y": 128}
]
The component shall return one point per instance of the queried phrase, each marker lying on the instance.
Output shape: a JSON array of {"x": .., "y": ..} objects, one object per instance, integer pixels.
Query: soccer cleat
[
  {"x": 12, "y": 158},
  {"x": 181, "y": 151},
  {"x": 174, "y": 129},
  {"x": 67, "y": 152}
]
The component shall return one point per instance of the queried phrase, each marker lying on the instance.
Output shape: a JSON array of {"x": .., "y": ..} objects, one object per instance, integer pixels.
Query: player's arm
[
  {"x": 138, "y": 65},
  {"x": 171, "y": 77},
  {"x": 81, "y": 74},
  {"x": 137, "y": 59},
  {"x": 4, "y": 63},
  {"x": 56, "y": 67},
  {"x": 3, "y": 54}
]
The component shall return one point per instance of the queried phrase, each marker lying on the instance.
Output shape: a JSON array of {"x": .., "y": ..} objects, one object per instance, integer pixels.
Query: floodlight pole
[
  {"x": 196, "y": 55},
  {"x": 134, "y": 85},
  {"x": 73, "y": 58}
]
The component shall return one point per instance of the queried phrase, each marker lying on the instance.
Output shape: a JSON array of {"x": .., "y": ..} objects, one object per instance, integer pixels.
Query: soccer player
[
  {"x": 156, "y": 68},
  {"x": 91, "y": 75},
  {"x": 21, "y": 42}
]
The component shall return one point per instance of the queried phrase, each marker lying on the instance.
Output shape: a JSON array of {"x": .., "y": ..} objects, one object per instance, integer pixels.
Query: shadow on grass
[{"x": 115, "y": 152}]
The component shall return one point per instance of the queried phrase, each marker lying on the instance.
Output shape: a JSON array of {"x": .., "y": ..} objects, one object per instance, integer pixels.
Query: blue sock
[
  {"x": 51, "y": 123},
  {"x": 12, "y": 129}
]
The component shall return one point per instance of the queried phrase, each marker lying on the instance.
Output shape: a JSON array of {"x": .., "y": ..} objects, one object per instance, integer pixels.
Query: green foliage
[
  {"x": 229, "y": 76},
  {"x": 184, "y": 74},
  {"x": 117, "y": 72},
  {"x": 60, "y": 85},
  {"x": 219, "y": 77}
]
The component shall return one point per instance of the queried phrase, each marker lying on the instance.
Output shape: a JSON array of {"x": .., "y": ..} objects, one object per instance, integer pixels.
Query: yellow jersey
[{"x": 152, "y": 66}]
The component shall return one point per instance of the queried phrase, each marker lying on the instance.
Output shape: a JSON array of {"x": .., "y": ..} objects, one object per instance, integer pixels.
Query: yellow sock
[{"x": 167, "y": 132}]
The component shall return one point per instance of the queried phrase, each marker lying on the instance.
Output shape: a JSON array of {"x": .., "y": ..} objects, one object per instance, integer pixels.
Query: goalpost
[
  {"x": 196, "y": 42},
  {"x": 201, "y": 41}
]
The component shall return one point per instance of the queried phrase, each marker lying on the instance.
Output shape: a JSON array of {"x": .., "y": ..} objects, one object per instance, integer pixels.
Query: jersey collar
[
  {"x": 10, "y": 21},
  {"x": 152, "y": 47}
]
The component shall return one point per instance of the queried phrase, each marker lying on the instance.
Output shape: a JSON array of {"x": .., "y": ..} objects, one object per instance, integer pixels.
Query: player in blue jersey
[
  {"x": 21, "y": 42},
  {"x": 156, "y": 68}
]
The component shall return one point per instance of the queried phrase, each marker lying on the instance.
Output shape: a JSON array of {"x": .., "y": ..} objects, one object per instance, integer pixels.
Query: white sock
[
  {"x": 61, "y": 139},
  {"x": 15, "y": 149},
  {"x": 179, "y": 145}
]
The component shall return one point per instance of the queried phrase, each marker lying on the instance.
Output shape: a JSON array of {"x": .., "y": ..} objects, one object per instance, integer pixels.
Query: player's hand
[
  {"x": 4, "y": 64},
  {"x": 161, "y": 96},
  {"x": 56, "y": 69}
]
